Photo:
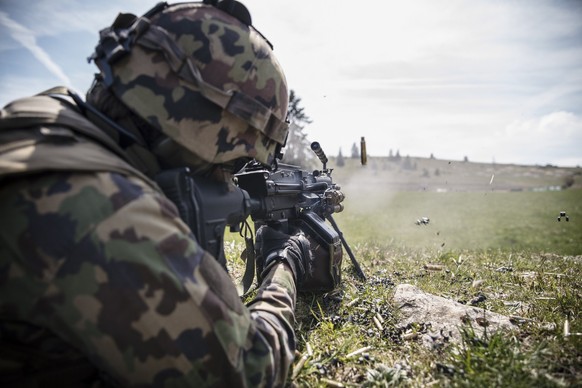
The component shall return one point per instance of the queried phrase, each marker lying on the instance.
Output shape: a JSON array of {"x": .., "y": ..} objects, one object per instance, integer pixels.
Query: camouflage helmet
[{"x": 200, "y": 74}]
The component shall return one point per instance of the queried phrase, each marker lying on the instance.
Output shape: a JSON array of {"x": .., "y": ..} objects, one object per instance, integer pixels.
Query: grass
[
  {"x": 542, "y": 289},
  {"x": 467, "y": 220},
  {"x": 528, "y": 265}
]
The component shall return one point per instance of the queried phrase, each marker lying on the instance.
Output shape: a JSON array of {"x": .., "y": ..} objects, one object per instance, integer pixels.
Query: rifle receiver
[{"x": 290, "y": 199}]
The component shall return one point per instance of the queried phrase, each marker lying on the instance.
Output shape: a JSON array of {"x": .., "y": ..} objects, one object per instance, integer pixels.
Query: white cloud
[
  {"x": 553, "y": 126},
  {"x": 557, "y": 136},
  {"x": 425, "y": 76}
]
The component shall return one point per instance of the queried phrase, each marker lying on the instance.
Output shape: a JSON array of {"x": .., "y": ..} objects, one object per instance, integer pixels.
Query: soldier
[{"x": 101, "y": 282}]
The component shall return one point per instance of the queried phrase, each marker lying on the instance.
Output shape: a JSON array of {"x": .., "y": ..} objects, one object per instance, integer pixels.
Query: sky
[{"x": 490, "y": 80}]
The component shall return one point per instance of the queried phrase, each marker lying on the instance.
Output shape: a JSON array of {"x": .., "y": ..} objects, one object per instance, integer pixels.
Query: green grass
[
  {"x": 467, "y": 220},
  {"x": 542, "y": 289},
  {"x": 529, "y": 266}
]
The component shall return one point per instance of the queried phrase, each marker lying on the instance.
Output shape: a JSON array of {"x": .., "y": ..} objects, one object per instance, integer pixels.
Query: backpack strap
[{"x": 42, "y": 133}]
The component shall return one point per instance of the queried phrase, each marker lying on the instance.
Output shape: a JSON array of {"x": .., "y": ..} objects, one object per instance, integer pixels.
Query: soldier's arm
[{"x": 130, "y": 287}]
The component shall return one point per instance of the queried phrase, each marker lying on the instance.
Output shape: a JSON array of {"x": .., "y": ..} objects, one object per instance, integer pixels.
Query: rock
[{"x": 440, "y": 318}]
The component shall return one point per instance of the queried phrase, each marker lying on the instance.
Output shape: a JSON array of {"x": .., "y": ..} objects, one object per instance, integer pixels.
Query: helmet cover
[{"x": 202, "y": 77}]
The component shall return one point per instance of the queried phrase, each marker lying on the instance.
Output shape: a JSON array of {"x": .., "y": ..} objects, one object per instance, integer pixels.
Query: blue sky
[{"x": 487, "y": 79}]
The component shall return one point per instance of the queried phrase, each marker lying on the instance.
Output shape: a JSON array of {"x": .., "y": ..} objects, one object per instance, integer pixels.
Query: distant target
[
  {"x": 423, "y": 221},
  {"x": 563, "y": 215}
]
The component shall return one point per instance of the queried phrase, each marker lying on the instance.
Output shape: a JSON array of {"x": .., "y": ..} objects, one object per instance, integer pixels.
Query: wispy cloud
[
  {"x": 26, "y": 38},
  {"x": 481, "y": 79},
  {"x": 557, "y": 136}
]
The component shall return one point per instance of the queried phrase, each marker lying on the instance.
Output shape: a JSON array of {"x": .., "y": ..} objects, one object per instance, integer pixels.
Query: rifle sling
[{"x": 244, "y": 287}]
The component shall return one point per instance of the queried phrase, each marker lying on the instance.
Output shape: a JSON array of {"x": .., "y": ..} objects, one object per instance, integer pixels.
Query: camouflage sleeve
[{"x": 105, "y": 262}]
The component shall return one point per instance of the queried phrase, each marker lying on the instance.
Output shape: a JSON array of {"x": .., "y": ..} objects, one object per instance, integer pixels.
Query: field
[
  {"x": 492, "y": 225},
  {"x": 525, "y": 221}
]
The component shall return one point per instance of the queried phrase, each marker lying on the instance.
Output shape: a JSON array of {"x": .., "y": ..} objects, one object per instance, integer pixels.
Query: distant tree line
[{"x": 405, "y": 163}]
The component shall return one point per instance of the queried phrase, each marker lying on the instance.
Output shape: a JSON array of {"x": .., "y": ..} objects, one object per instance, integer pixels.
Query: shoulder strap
[
  {"x": 43, "y": 109},
  {"x": 33, "y": 131}
]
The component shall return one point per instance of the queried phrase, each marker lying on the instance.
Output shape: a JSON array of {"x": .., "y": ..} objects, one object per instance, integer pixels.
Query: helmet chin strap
[{"x": 126, "y": 138}]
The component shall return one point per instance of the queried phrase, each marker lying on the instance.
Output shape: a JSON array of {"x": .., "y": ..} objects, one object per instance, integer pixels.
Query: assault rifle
[
  {"x": 286, "y": 198},
  {"x": 290, "y": 199}
]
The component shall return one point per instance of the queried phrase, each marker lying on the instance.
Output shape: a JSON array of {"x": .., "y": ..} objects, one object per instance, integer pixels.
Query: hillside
[{"x": 425, "y": 174}]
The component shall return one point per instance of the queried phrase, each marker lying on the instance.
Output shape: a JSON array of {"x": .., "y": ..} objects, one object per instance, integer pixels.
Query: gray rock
[{"x": 438, "y": 319}]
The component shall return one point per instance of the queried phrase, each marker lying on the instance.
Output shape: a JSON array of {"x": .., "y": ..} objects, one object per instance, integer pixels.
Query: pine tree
[
  {"x": 407, "y": 165},
  {"x": 355, "y": 151},
  {"x": 340, "y": 162},
  {"x": 298, "y": 148}
]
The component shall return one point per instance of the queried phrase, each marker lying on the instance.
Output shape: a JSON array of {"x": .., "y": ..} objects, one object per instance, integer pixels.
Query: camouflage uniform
[
  {"x": 95, "y": 263},
  {"x": 98, "y": 264}
]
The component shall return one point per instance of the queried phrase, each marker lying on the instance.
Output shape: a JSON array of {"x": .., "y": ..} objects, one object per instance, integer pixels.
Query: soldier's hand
[{"x": 273, "y": 246}]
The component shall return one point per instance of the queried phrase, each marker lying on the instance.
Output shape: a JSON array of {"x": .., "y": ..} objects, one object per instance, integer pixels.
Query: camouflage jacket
[{"x": 96, "y": 264}]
